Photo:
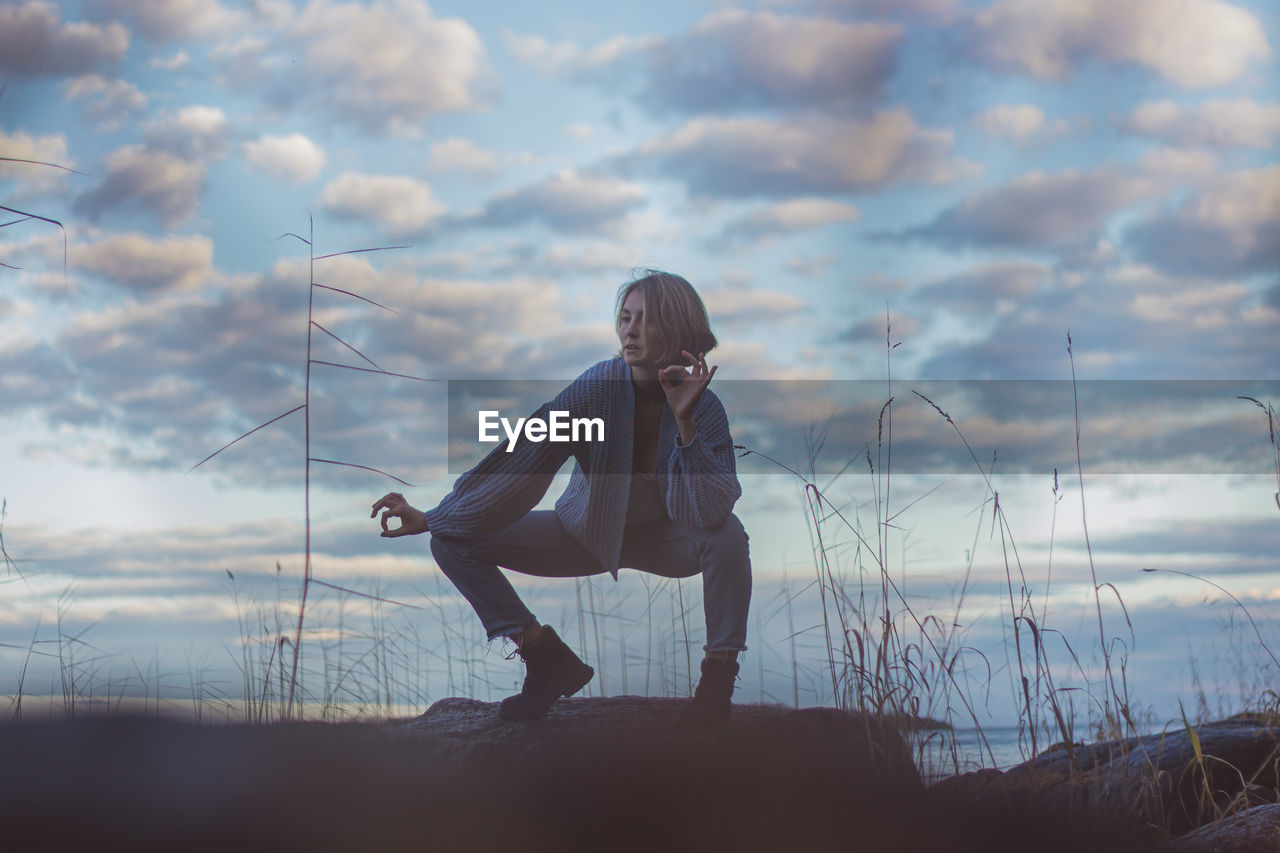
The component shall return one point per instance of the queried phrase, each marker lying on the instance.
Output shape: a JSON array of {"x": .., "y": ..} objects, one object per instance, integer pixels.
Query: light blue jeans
[{"x": 539, "y": 545}]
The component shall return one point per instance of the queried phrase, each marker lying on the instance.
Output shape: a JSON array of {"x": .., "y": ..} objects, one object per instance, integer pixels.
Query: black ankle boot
[
  {"x": 711, "y": 700},
  {"x": 552, "y": 670}
]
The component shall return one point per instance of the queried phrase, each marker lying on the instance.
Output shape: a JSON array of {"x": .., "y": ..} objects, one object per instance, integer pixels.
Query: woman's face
[{"x": 637, "y": 348}]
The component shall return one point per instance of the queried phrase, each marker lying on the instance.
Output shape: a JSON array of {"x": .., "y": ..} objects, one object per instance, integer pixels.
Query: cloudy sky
[{"x": 982, "y": 178}]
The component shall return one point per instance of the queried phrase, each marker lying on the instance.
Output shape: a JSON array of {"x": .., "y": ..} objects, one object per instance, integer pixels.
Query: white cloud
[
  {"x": 1129, "y": 321},
  {"x": 129, "y": 367},
  {"x": 110, "y": 101},
  {"x": 1226, "y": 228},
  {"x": 1017, "y": 122},
  {"x": 556, "y": 58},
  {"x": 988, "y": 289},
  {"x": 401, "y": 203},
  {"x": 172, "y": 63},
  {"x": 16, "y": 310},
  {"x": 926, "y": 9},
  {"x": 151, "y": 179},
  {"x": 798, "y": 214},
  {"x": 734, "y": 59},
  {"x": 194, "y": 132},
  {"x": 34, "y": 179},
  {"x": 579, "y": 130},
  {"x": 1193, "y": 43},
  {"x": 165, "y": 175},
  {"x": 1211, "y": 307},
  {"x": 589, "y": 258},
  {"x": 812, "y": 155},
  {"x": 1222, "y": 123},
  {"x": 1186, "y": 164},
  {"x": 745, "y": 358},
  {"x": 567, "y": 200},
  {"x": 738, "y": 58},
  {"x": 539, "y": 53},
  {"x": 292, "y": 157},
  {"x": 143, "y": 263},
  {"x": 171, "y": 19},
  {"x": 811, "y": 266},
  {"x": 388, "y": 66},
  {"x": 873, "y": 329},
  {"x": 33, "y": 41},
  {"x": 461, "y": 155},
  {"x": 743, "y": 305},
  {"x": 802, "y": 213},
  {"x": 1038, "y": 210},
  {"x": 247, "y": 63},
  {"x": 1244, "y": 199}
]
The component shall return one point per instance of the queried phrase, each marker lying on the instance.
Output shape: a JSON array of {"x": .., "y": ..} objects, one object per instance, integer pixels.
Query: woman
[{"x": 670, "y": 513}]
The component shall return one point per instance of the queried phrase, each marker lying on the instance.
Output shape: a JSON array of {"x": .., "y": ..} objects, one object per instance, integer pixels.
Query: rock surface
[
  {"x": 611, "y": 774},
  {"x": 1256, "y": 830},
  {"x": 1154, "y": 786},
  {"x": 597, "y": 774},
  {"x": 864, "y": 749},
  {"x": 615, "y": 771}
]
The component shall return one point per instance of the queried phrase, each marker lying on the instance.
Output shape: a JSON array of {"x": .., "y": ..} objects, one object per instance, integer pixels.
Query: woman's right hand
[{"x": 393, "y": 505}]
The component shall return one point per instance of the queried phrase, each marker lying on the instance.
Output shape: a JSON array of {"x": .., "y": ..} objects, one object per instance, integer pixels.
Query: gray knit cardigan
[{"x": 699, "y": 481}]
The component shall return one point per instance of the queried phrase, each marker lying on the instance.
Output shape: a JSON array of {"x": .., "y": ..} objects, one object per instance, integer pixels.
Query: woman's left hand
[{"x": 683, "y": 398}]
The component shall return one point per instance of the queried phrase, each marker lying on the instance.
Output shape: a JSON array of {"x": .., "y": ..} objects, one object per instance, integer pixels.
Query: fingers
[
  {"x": 679, "y": 369},
  {"x": 699, "y": 363},
  {"x": 394, "y": 505},
  {"x": 404, "y": 514},
  {"x": 390, "y": 500},
  {"x": 411, "y": 521}
]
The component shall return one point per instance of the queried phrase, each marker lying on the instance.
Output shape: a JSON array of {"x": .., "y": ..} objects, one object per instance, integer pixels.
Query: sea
[{"x": 946, "y": 753}]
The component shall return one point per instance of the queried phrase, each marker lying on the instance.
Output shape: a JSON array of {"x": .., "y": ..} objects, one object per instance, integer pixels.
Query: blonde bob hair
[{"x": 674, "y": 317}]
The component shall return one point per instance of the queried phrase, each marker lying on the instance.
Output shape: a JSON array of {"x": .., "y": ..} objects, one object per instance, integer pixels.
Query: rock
[
  {"x": 631, "y": 724},
  {"x": 776, "y": 778},
  {"x": 1152, "y": 786},
  {"x": 1256, "y": 830},
  {"x": 609, "y": 774},
  {"x": 991, "y": 810},
  {"x": 1159, "y": 777},
  {"x": 596, "y": 774}
]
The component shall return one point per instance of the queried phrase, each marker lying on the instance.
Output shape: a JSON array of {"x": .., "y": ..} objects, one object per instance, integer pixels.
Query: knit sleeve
[
  {"x": 503, "y": 487},
  {"x": 702, "y": 479}
]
